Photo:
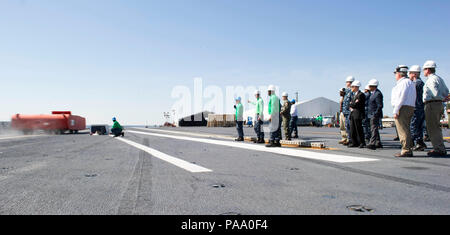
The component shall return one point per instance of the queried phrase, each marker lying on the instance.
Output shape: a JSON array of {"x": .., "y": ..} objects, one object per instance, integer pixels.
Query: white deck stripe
[
  {"x": 282, "y": 151},
  {"x": 191, "y": 134},
  {"x": 20, "y": 137},
  {"x": 172, "y": 160}
]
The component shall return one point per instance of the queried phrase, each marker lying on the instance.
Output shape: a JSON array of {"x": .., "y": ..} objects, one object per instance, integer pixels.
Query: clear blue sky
[{"x": 104, "y": 58}]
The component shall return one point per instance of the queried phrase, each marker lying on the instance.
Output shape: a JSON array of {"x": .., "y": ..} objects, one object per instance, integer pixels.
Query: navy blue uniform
[{"x": 418, "y": 120}]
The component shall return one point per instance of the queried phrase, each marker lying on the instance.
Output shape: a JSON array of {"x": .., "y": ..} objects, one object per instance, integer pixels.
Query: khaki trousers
[
  {"x": 403, "y": 124},
  {"x": 342, "y": 127},
  {"x": 433, "y": 113}
]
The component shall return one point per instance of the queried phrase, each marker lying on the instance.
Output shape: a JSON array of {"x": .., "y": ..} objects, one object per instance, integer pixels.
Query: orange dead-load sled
[{"x": 59, "y": 122}]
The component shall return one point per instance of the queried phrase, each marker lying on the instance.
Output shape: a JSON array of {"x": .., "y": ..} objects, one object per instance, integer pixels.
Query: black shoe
[
  {"x": 433, "y": 153},
  {"x": 288, "y": 139},
  {"x": 277, "y": 143},
  {"x": 352, "y": 146},
  {"x": 380, "y": 146},
  {"x": 371, "y": 147},
  {"x": 271, "y": 144},
  {"x": 256, "y": 140},
  {"x": 396, "y": 139},
  {"x": 399, "y": 155},
  {"x": 295, "y": 137},
  {"x": 419, "y": 148},
  {"x": 239, "y": 139},
  {"x": 123, "y": 134},
  {"x": 261, "y": 141},
  {"x": 362, "y": 146}
]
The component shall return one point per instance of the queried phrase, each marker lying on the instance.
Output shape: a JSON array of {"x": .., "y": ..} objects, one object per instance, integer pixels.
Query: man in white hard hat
[
  {"x": 274, "y": 109},
  {"x": 259, "y": 118},
  {"x": 286, "y": 114},
  {"x": 435, "y": 92},
  {"x": 403, "y": 99},
  {"x": 239, "y": 119},
  {"x": 357, "y": 109},
  {"x": 366, "y": 121},
  {"x": 375, "y": 114},
  {"x": 396, "y": 132},
  {"x": 418, "y": 119},
  {"x": 344, "y": 118}
]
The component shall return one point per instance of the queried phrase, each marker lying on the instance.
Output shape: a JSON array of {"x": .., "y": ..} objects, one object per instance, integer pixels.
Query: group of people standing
[
  {"x": 280, "y": 115},
  {"x": 415, "y": 104}
]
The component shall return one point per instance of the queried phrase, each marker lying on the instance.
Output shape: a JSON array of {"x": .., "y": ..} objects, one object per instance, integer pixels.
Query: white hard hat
[
  {"x": 429, "y": 65},
  {"x": 401, "y": 69},
  {"x": 415, "y": 69},
  {"x": 271, "y": 88},
  {"x": 285, "y": 94},
  {"x": 257, "y": 92},
  {"x": 350, "y": 79},
  {"x": 356, "y": 83},
  {"x": 374, "y": 82}
]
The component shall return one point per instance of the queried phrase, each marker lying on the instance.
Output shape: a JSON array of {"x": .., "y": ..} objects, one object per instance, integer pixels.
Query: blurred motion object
[{"x": 58, "y": 122}]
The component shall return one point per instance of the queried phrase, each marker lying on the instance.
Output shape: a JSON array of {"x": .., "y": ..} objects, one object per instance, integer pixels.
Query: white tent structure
[
  {"x": 314, "y": 107},
  {"x": 306, "y": 109}
]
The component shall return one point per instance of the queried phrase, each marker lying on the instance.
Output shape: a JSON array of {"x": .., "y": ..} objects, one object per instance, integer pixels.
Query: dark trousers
[
  {"x": 258, "y": 129},
  {"x": 240, "y": 128},
  {"x": 347, "y": 127},
  {"x": 116, "y": 132},
  {"x": 356, "y": 130},
  {"x": 275, "y": 129},
  {"x": 293, "y": 128},
  {"x": 367, "y": 128},
  {"x": 375, "y": 139},
  {"x": 417, "y": 125}
]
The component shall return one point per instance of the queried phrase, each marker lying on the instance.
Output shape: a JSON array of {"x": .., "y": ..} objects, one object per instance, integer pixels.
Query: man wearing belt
[
  {"x": 346, "y": 108},
  {"x": 403, "y": 99},
  {"x": 418, "y": 119},
  {"x": 375, "y": 114},
  {"x": 259, "y": 118},
  {"x": 435, "y": 92}
]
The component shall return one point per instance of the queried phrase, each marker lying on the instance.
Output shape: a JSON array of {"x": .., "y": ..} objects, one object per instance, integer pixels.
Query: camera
[{"x": 342, "y": 92}]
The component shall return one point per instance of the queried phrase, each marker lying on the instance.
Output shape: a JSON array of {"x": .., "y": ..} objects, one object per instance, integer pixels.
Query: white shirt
[
  {"x": 434, "y": 89},
  {"x": 404, "y": 93},
  {"x": 294, "y": 112}
]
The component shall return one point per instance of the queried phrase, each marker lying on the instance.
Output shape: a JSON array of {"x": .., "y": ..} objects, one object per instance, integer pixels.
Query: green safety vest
[{"x": 274, "y": 104}]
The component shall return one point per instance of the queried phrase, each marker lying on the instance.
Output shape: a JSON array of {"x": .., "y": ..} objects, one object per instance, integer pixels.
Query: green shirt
[
  {"x": 239, "y": 112},
  {"x": 274, "y": 104},
  {"x": 259, "y": 106},
  {"x": 117, "y": 125}
]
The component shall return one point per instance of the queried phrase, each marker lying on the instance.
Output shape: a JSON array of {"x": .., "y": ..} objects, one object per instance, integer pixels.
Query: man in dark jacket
[
  {"x": 366, "y": 121},
  {"x": 418, "y": 120},
  {"x": 375, "y": 114},
  {"x": 357, "y": 108}
]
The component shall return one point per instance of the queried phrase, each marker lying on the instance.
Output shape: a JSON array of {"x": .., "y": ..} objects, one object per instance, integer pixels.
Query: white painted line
[
  {"x": 172, "y": 160},
  {"x": 19, "y": 137},
  {"x": 191, "y": 134},
  {"x": 282, "y": 151}
]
